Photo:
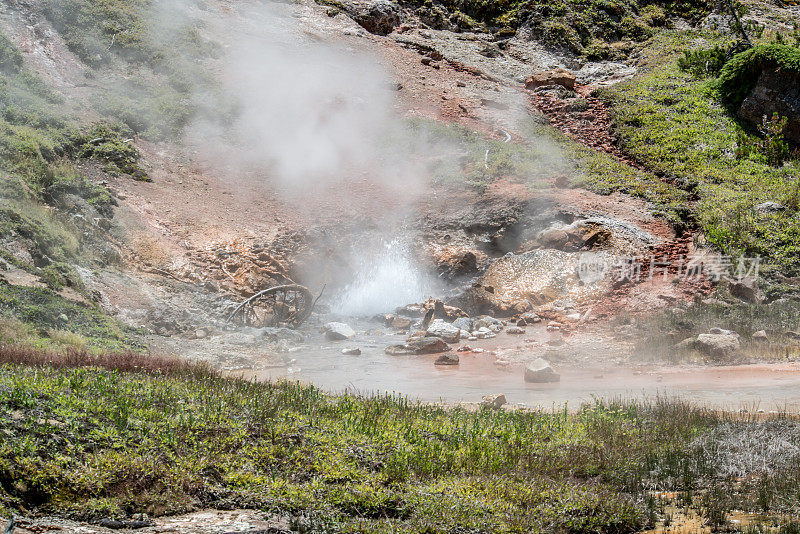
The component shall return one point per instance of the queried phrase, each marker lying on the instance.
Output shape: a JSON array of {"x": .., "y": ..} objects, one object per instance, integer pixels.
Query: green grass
[
  {"x": 93, "y": 442},
  {"x": 160, "y": 47},
  {"x": 45, "y": 317},
  {"x": 673, "y": 123},
  {"x": 740, "y": 74}
]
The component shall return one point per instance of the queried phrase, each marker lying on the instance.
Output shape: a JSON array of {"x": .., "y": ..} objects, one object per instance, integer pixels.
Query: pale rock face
[
  {"x": 339, "y": 331},
  {"x": 718, "y": 345},
  {"x": 539, "y": 371}
]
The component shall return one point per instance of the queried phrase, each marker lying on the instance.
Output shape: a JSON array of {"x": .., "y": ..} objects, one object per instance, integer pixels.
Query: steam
[{"x": 384, "y": 281}]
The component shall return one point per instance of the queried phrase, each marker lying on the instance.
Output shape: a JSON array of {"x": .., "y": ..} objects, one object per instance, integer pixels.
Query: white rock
[
  {"x": 339, "y": 331},
  {"x": 443, "y": 330},
  {"x": 539, "y": 371}
]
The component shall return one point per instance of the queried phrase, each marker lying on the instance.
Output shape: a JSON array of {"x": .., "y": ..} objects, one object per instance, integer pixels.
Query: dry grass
[{"x": 72, "y": 358}]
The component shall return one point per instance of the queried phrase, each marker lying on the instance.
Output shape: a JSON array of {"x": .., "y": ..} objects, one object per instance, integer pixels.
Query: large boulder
[
  {"x": 376, "y": 16},
  {"x": 338, "y": 331},
  {"x": 557, "y": 76},
  {"x": 539, "y": 371},
  {"x": 718, "y": 346},
  {"x": 776, "y": 91},
  {"x": 747, "y": 289},
  {"x": 444, "y": 330}
]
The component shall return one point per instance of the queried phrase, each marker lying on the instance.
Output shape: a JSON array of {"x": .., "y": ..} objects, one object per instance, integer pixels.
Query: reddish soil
[{"x": 591, "y": 127}]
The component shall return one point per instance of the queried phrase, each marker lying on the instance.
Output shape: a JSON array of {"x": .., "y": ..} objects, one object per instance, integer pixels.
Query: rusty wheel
[{"x": 288, "y": 305}]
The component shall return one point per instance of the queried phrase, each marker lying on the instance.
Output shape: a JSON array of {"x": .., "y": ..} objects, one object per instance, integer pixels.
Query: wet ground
[{"x": 768, "y": 387}]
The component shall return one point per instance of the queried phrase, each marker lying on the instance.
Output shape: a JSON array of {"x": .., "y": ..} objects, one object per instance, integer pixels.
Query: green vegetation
[
  {"x": 582, "y": 27},
  {"x": 40, "y": 151},
  {"x": 155, "y": 102},
  {"x": 739, "y": 75},
  {"x": 703, "y": 62},
  {"x": 95, "y": 442},
  {"x": 463, "y": 155},
  {"x": 673, "y": 122},
  {"x": 41, "y": 318}
]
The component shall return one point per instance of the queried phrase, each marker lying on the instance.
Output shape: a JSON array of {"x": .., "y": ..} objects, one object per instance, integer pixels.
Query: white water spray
[{"x": 384, "y": 280}]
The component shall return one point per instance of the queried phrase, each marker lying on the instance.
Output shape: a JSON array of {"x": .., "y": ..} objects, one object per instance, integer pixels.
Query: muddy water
[{"x": 765, "y": 387}]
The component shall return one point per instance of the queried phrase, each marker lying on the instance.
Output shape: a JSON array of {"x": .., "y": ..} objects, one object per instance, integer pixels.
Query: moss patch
[{"x": 740, "y": 74}]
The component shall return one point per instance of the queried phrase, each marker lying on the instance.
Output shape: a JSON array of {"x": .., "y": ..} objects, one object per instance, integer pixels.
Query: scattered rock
[
  {"x": 355, "y": 351},
  {"x": 401, "y": 323},
  {"x": 484, "y": 333},
  {"x": 423, "y": 345},
  {"x": 491, "y": 51},
  {"x": 718, "y": 345},
  {"x": 516, "y": 330},
  {"x": 463, "y": 323},
  {"x": 531, "y": 318},
  {"x": 539, "y": 371},
  {"x": 200, "y": 333},
  {"x": 444, "y": 330},
  {"x": 685, "y": 345},
  {"x": 447, "y": 359},
  {"x": 760, "y": 337},
  {"x": 488, "y": 322},
  {"x": 747, "y": 290},
  {"x": 494, "y": 402},
  {"x": 770, "y": 207},
  {"x": 557, "y": 76},
  {"x": 339, "y": 331}
]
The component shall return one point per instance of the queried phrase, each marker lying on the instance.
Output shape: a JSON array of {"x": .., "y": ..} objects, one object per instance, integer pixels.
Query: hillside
[{"x": 422, "y": 197}]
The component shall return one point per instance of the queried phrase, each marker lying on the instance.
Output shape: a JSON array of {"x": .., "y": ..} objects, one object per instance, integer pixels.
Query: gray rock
[
  {"x": 339, "y": 331},
  {"x": 770, "y": 207},
  {"x": 401, "y": 323},
  {"x": 399, "y": 350},
  {"x": 447, "y": 359},
  {"x": 278, "y": 333},
  {"x": 718, "y": 345},
  {"x": 355, "y": 351},
  {"x": 487, "y": 322},
  {"x": 494, "y": 402},
  {"x": 463, "y": 323},
  {"x": 531, "y": 318},
  {"x": 539, "y": 371},
  {"x": 376, "y": 16},
  {"x": 516, "y": 330},
  {"x": 747, "y": 290},
  {"x": 424, "y": 345},
  {"x": 760, "y": 337},
  {"x": 686, "y": 344},
  {"x": 444, "y": 330},
  {"x": 723, "y": 332},
  {"x": 776, "y": 91}
]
